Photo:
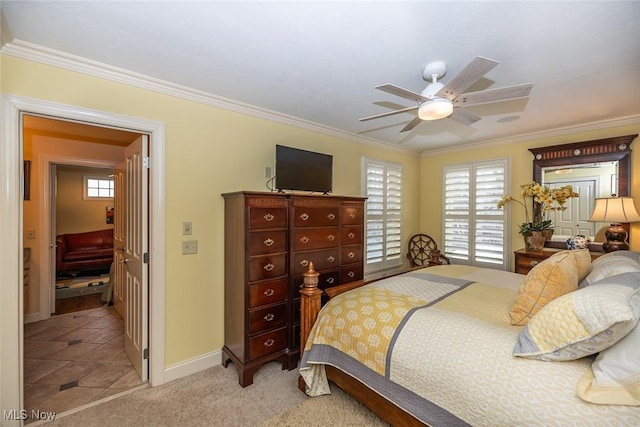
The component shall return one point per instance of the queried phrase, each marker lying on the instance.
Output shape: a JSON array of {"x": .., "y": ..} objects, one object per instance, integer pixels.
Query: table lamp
[{"x": 615, "y": 210}]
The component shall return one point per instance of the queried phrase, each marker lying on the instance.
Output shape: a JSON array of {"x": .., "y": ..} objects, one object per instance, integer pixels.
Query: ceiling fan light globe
[{"x": 435, "y": 109}]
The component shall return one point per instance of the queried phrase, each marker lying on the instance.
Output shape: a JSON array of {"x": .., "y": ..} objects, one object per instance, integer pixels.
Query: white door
[
  {"x": 136, "y": 256},
  {"x": 119, "y": 223},
  {"x": 575, "y": 219},
  {"x": 53, "y": 273}
]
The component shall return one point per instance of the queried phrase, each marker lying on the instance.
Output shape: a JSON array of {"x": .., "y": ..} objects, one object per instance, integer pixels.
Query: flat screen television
[{"x": 303, "y": 170}]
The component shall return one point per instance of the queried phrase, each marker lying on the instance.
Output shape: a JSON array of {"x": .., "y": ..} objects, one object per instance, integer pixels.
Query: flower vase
[
  {"x": 548, "y": 233},
  {"x": 535, "y": 242}
]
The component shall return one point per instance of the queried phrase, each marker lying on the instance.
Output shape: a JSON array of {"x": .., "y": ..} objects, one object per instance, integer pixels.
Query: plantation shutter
[
  {"x": 457, "y": 182},
  {"x": 383, "y": 186},
  {"x": 474, "y": 228}
]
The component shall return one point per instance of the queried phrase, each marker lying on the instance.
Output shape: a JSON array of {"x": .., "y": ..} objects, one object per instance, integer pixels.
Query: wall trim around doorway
[{"x": 11, "y": 234}]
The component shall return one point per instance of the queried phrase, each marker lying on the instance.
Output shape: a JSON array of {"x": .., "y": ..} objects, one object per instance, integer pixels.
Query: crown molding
[
  {"x": 532, "y": 136},
  {"x": 33, "y": 52}
]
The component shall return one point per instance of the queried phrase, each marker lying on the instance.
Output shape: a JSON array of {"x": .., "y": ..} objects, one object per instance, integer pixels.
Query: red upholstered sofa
[{"x": 92, "y": 250}]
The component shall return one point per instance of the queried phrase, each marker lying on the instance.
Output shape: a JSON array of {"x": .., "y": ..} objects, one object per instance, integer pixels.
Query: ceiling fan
[{"x": 438, "y": 100}]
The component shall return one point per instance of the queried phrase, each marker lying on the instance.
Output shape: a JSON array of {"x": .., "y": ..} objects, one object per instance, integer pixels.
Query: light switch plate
[
  {"x": 189, "y": 247},
  {"x": 187, "y": 228}
]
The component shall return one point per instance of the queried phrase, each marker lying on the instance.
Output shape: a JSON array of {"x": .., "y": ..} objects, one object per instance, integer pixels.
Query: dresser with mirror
[{"x": 596, "y": 169}]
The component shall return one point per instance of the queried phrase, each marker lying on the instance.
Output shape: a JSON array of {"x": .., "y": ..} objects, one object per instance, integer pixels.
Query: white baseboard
[
  {"x": 191, "y": 366},
  {"x": 32, "y": 317}
]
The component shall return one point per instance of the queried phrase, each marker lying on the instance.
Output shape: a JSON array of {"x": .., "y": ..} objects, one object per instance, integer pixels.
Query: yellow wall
[
  {"x": 209, "y": 151},
  {"x": 39, "y": 148},
  {"x": 74, "y": 214},
  {"x": 521, "y": 173}
]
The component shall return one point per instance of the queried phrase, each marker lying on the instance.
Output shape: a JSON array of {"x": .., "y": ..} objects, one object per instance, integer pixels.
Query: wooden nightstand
[{"x": 526, "y": 260}]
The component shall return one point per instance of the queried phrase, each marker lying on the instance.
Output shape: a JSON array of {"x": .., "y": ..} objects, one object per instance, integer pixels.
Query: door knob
[{"x": 123, "y": 261}]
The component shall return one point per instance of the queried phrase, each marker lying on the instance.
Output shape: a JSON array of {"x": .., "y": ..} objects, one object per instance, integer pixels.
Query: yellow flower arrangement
[{"x": 550, "y": 199}]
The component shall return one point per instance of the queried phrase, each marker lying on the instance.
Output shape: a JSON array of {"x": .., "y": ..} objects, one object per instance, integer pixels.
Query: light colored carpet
[
  {"x": 214, "y": 398},
  {"x": 336, "y": 409}
]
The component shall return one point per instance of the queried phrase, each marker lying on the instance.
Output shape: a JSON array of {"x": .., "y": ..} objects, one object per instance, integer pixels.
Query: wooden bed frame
[{"x": 310, "y": 296}]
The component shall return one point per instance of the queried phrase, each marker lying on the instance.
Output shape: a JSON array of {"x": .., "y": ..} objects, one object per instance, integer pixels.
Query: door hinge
[
  {"x": 145, "y": 353},
  {"x": 145, "y": 258},
  {"x": 146, "y": 162}
]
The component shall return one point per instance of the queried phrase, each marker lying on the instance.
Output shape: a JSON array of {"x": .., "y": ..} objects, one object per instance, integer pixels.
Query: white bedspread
[{"x": 452, "y": 348}]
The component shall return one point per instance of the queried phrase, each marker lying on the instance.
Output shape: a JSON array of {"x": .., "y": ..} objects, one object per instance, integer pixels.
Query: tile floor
[{"x": 74, "y": 359}]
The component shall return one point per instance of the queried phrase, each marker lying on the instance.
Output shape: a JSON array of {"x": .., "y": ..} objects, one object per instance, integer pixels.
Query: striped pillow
[
  {"x": 609, "y": 265},
  {"x": 580, "y": 323}
]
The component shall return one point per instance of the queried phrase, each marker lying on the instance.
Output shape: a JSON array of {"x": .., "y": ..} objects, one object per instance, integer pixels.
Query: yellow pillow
[
  {"x": 553, "y": 277},
  {"x": 583, "y": 261}
]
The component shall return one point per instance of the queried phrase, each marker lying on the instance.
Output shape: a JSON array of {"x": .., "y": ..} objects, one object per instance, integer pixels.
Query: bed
[{"x": 437, "y": 346}]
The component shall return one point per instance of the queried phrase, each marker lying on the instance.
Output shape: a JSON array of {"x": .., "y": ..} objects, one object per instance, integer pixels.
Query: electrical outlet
[
  {"x": 189, "y": 247},
  {"x": 186, "y": 228},
  {"x": 267, "y": 171}
]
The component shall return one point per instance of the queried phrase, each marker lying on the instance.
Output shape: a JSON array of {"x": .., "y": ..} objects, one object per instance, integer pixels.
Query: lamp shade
[
  {"x": 435, "y": 109},
  {"x": 615, "y": 210}
]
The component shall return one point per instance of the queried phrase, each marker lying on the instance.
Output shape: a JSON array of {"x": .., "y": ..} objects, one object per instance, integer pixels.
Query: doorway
[
  {"x": 82, "y": 222},
  {"x": 11, "y": 228},
  {"x": 74, "y": 359}
]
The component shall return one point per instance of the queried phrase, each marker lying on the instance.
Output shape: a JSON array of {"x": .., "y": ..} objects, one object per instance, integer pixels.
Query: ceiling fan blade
[
  {"x": 413, "y": 123},
  {"x": 390, "y": 113},
  {"x": 404, "y": 93},
  {"x": 493, "y": 95},
  {"x": 463, "y": 116},
  {"x": 467, "y": 77}
]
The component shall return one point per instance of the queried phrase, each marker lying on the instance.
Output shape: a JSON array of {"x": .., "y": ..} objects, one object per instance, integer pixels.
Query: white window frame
[
  {"x": 391, "y": 240},
  {"x": 472, "y": 218},
  {"x": 85, "y": 186}
]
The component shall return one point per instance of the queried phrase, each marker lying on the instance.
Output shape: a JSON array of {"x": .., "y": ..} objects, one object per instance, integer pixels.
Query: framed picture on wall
[
  {"x": 110, "y": 212},
  {"x": 27, "y": 180}
]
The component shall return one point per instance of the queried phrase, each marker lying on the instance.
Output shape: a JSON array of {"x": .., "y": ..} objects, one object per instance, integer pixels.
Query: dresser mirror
[{"x": 595, "y": 169}]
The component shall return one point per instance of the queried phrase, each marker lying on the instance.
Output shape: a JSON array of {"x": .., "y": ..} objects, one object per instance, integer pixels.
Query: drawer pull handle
[
  {"x": 304, "y": 239},
  {"x": 330, "y": 258},
  {"x": 330, "y": 280},
  {"x": 269, "y": 267},
  {"x": 269, "y": 342},
  {"x": 351, "y": 255},
  {"x": 533, "y": 263},
  {"x": 331, "y": 216},
  {"x": 269, "y": 292},
  {"x": 351, "y": 235},
  {"x": 269, "y": 317},
  {"x": 351, "y": 274},
  {"x": 352, "y": 215},
  {"x": 304, "y": 263},
  {"x": 304, "y": 217},
  {"x": 269, "y": 217},
  {"x": 331, "y": 237},
  {"x": 269, "y": 242}
]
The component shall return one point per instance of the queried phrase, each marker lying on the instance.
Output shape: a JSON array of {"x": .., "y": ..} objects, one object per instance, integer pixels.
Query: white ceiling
[{"x": 319, "y": 61}]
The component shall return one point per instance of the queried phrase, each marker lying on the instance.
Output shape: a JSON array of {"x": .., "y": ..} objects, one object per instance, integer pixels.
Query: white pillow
[
  {"x": 608, "y": 266},
  {"x": 614, "y": 377}
]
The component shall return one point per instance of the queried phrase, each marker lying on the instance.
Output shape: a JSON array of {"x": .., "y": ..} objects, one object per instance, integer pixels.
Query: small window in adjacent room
[
  {"x": 382, "y": 184},
  {"x": 98, "y": 187}
]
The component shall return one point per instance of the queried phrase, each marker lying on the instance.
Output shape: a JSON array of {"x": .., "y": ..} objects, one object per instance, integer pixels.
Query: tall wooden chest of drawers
[{"x": 270, "y": 239}]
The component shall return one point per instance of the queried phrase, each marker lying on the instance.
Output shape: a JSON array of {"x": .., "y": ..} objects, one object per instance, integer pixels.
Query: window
[
  {"x": 383, "y": 187},
  {"x": 98, "y": 187},
  {"x": 474, "y": 228}
]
